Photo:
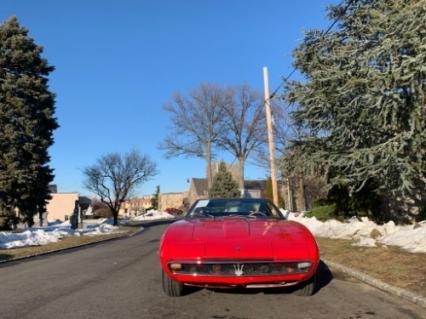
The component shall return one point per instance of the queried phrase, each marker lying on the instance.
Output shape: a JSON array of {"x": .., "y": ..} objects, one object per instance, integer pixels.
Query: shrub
[
  {"x": 375, "y": 233},
  {"x": 421, "y": 215},
  {"x": 103, "y": 212},
  {"x": 4, "y": 223},
  {"x": 324, "y": 212},
  {"x": 363, "y": 203},
  {"x": 320, "y": 202}
]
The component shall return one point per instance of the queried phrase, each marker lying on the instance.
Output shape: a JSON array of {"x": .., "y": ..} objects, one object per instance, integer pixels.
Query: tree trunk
[
  {"x": 115, "y": 216},
  {"x": 289, "y": 195},
  {"x": 302, "y": 193},
  {"x": 241, "y": 161},
  {"x": 40, "y": 218},
  {"x": 209, "y": 165},
  {"x": 30, "y": 220}
]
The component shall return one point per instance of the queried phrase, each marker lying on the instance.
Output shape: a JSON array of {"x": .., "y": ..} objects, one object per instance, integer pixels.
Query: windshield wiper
[
  {"x": 235, "y": 215},
  {"x": 203, "y": 215}
]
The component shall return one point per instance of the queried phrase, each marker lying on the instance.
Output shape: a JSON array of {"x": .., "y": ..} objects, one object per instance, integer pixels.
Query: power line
[
  {"x": 282, "y": 83},
  {"x": 323, "y": 34}
]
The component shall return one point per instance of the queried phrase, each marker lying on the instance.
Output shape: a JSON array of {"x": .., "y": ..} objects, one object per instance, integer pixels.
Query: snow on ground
[
  {"x": 368, "y": 233},
  {"x": 153, "y": 215},
  {"x": 37, "y": 236}
]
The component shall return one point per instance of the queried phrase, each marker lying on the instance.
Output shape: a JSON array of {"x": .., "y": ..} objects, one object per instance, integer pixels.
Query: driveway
[{"x": 122, "y": 279}]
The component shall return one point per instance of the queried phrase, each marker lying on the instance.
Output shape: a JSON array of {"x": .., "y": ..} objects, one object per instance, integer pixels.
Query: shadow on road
[
  {"x": 150, "y": 223},
  {"x": 324, "y": 277}
]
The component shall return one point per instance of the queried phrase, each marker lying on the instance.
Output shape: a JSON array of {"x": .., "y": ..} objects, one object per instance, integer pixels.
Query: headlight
[
  {"x": 304, "y": 266},
  {"x": 175, "y": 266}
]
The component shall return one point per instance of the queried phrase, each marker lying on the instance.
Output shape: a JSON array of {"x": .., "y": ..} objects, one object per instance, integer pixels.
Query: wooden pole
[
  {"x": 289, "y": 196},
  {"x": 270, "y": 136}
]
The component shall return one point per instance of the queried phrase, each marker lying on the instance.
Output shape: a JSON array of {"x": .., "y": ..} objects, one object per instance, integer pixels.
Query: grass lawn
[
  {"x": 389, "y": 264},
  {"x": 66, "y": 242}
]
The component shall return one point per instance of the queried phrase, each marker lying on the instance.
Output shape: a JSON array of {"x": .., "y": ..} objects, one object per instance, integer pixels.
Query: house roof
[
  {"x": 255, "y": 184},
  {"x": 200, "y": 185}
]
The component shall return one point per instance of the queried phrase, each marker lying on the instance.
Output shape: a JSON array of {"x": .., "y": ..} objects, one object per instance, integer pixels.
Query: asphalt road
[{"x": 122, "y": 279}]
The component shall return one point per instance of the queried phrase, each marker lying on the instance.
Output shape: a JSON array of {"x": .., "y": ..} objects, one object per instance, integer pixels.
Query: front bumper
[
  {"x": 279, "y": 284},
  {"x": 247, "y": 273}
]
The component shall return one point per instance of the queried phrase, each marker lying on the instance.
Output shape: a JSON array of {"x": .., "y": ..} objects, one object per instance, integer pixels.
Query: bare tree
[
  {"x": 196, "y": 122},
  {"x": 114, "y": 176},
  {"x": 245, "y": 125}
]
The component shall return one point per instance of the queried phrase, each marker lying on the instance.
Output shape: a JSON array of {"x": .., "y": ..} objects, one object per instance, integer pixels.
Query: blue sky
[{"x": 118, "y": 62}]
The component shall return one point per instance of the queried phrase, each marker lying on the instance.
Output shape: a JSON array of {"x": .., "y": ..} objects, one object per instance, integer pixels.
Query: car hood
[{"x": 239, "y": 238}]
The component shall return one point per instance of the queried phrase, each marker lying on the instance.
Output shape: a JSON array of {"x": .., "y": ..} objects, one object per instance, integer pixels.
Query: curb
[
  {"x": 53, "y": 251},
  {"x": 405, "y": 294},
  {"x": 141, "y": 230}
]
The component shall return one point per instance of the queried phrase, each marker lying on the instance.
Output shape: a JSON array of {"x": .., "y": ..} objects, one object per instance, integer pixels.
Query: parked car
[{"x": 225, "y": 243}]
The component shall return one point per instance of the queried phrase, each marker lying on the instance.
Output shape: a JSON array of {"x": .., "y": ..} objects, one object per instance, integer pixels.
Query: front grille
[{"x": 238, "y": 269}]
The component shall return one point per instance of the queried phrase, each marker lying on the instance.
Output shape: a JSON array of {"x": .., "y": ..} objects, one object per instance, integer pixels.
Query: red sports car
[{"x": 225, "y": 243}]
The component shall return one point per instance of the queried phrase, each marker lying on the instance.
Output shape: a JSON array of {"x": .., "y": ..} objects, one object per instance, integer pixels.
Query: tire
[
  {"x": 171, "y": 288},
  {"x": 306, "y": 288}
]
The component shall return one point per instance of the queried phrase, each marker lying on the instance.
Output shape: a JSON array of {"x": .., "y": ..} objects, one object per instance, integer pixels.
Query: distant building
[
  {"x": 198, "y": 189},
  {"x": 135, "y": 206},
  {"x": 172, "y": 200},
  {"x": 61, "y": 206}
]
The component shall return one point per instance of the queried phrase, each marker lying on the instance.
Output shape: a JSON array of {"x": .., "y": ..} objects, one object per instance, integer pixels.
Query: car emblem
[
  {"x": 238, "y": 269},
  {"x": 237, "y": 249}
]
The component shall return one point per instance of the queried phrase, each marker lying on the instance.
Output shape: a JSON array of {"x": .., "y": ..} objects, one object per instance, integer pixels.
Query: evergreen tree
[
  {"x": 155, "y": 198},
  {"x": 27, "y": 123},
  {"x": 363, "y": 101},
  {"x": 223, "y": 185}
]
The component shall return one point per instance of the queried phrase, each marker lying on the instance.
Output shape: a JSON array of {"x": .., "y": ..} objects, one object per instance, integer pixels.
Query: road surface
[{"x": 122, "y": 279}]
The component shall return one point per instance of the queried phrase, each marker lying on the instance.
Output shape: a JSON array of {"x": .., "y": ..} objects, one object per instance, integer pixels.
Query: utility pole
[
  {"x": 270, "y": 135},
  {"x": 289, "y": 196}
]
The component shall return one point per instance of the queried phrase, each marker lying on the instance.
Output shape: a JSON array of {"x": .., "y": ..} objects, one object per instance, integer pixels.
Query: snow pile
[
  {"x": 368, "y": 233},
  {"x": 35, "y": 237},
  {"x": 408, "y": 237},
  {"x": 153, "y": 215},
  {"x": 38, "y": 236},
  {"x": 102, "y": 229}
]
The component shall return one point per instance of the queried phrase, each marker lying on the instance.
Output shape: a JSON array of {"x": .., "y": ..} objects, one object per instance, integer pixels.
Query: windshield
[{"x": 251, "y": 208}]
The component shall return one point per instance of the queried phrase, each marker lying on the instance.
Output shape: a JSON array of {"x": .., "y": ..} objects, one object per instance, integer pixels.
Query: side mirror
[{"x": 285, "y": 212}]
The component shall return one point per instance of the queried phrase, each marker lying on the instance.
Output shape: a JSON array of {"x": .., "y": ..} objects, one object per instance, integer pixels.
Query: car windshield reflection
[{"x": 223, "y": 208}]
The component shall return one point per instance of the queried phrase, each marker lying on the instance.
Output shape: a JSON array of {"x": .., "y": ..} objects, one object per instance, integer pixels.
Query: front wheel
[
  {"x": 171, "y": 288},
  {"x": 306, "y": 288}
]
